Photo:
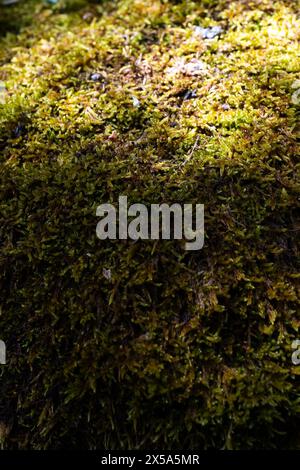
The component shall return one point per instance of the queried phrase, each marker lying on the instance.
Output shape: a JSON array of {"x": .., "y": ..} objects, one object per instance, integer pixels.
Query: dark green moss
[{"x": 177, "y": 350}]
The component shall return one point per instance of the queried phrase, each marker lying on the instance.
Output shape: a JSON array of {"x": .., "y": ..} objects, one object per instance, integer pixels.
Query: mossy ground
[{"x": 177, "y": 350}]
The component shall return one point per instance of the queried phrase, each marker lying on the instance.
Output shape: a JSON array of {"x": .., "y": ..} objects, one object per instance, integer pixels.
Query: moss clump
[{"x": 176, "y": 350}]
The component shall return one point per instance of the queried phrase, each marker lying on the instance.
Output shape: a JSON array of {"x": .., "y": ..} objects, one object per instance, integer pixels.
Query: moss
[{"x": 176, "y": 350}]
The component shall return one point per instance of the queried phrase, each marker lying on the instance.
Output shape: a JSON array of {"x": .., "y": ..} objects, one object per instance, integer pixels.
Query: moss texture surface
[{"x": 174, "y": 350}]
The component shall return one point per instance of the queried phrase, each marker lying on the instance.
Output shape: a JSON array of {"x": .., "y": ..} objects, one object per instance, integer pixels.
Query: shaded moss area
[{"x": 176, "y": 349}]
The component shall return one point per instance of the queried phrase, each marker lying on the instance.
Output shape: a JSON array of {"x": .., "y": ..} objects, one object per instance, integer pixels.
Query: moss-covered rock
[{"x": 174, "y": 349}]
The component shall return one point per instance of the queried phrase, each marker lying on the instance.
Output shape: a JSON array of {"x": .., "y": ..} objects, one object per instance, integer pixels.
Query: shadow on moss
[{"x": 175, "y": 350}]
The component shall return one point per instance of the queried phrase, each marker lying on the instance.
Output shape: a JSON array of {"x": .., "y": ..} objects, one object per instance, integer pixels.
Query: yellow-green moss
[{"x": 177, "y": 350}]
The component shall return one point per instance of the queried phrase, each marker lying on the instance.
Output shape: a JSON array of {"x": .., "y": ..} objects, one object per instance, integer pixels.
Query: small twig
[{"x": 190, "y": 154}]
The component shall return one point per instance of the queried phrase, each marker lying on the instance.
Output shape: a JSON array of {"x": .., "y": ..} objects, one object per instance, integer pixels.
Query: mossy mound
[{"x": 176, "y": 349}]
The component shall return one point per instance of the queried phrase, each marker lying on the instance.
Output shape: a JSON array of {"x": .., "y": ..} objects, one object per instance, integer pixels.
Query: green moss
[{"x": 176, "y": 350}]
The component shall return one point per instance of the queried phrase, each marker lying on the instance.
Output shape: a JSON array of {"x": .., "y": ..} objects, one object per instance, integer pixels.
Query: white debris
[
  {"x": 136, "y": 103},
  {"x": 296, "y": 94},
  {"x": 3, "y": 93},
  {"x": 208, "y": 33},
  {"x": 195, "y": 67},
  {"x": 107, "y": 274},
  {"x": 192, "y": 68}
]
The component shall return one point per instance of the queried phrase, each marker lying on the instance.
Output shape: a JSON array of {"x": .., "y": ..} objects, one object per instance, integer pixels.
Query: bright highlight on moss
[{"x": 164, "y": 101}]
